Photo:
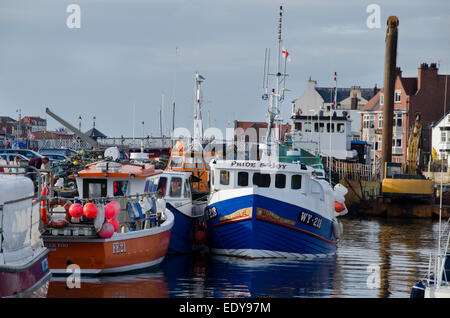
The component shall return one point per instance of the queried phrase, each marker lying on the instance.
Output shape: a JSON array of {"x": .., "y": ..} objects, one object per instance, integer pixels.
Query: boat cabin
[
  {"x": 195, "y": 163},
  {"x": 174, "y": 185},
  {"x": 113, "y": 179},
  {"x": 280, "y": 176}
]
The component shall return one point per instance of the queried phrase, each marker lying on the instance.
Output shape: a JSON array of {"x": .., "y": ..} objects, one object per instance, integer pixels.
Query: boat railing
[
  {"x": 147, "y": 215},
  {"x": 28, "y": 171}
]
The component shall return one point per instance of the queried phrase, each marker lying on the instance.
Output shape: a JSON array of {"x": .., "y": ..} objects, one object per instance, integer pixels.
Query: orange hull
[{"x": 121, "y": 253}]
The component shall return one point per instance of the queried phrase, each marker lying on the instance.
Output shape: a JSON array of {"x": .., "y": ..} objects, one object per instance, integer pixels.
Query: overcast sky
[{"x": 131, "y": 52}]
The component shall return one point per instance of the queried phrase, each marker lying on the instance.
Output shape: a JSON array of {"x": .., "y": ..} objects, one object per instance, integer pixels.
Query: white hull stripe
[{"x": 252, "y": 253}]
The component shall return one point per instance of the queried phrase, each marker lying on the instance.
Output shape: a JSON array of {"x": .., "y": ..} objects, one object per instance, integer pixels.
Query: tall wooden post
[{"x": 389, "y": 82}]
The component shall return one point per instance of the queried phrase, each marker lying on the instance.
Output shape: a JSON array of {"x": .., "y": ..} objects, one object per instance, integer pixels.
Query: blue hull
[
  {"x": 257, "y": 226},
  {"x": 182, "y": 235}
]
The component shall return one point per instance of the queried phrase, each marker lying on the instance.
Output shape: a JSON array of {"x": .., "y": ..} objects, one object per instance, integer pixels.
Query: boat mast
[
  {"x": 277, "y": 95},
  {"x": 198, "y": 126}
]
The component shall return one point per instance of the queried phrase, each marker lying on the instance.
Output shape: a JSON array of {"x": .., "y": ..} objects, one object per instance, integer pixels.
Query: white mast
[
  {"x": 277, "y": 95},
  {"x": 198, "y": 126}
]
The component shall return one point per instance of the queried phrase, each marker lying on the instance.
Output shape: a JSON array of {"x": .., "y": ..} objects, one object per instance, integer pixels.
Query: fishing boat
[
  {"x": 270, "y": 208},
  {"x": 175, "y": 187},
  {"x": 139, "y": 229},
  {"x": 24, "y": 270},
  {"x": 191, "y": 156}
]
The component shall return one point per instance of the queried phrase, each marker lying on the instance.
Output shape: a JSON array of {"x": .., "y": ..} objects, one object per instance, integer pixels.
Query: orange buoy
[
  {"x": 44, "y": 216},
  {"x": 339, "y": 207},
  {"x": 90, "y": 210}
]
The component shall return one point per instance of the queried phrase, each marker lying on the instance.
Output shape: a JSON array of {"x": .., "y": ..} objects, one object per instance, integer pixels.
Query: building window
[
  {"x": 380, "y": 121},
  {"x": 397, "y": 96},
  {"x": 369, "y": 121},
  {"x": 443, "y": 136},
  {"x": 381, "y": 99},
  {"x": 397, "y": 142},
  {"x": 398, "y": 120}
]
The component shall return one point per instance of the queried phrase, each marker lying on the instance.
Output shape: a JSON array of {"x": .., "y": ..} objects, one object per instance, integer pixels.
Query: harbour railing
[{"x": 354, "y": 170}]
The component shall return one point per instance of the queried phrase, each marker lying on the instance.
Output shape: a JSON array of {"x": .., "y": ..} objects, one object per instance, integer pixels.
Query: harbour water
[{"x": 376, "y": 258}]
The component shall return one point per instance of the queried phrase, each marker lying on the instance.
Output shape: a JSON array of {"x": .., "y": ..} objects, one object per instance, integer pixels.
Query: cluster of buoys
[
  {"x": 90, "y": 211},
  {"x": 112, "y": 209}
]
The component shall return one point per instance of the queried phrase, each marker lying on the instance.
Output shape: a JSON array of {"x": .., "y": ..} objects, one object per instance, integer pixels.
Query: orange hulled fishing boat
[{"x": 112, "y": 227}]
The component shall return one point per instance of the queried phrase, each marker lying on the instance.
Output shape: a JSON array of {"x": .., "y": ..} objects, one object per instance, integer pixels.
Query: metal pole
[{"x": 389, "y": 82}]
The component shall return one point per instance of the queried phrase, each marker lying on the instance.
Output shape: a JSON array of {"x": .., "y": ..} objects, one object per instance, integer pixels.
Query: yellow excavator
[{"x": 407, "y": 181}]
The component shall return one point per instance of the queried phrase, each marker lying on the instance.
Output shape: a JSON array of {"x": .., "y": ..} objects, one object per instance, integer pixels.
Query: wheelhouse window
[
  {"x": 162, "y": 185},
  {"x": 242, "y": 179},
  {"x": 120, "y": 188},
  {"x": 224, "y": 177},
  {"x": 340, "y": 128},
  {"x": 187, "y": 189},
  {"x": 94, "y": 188},
  {"x": 308, "y": 126},
  {"x": 280, "y": 181},
  {"x": 176, "y": 162},
  {"x": 261, "y": 179},
  {"x": 175, "y": 187},
  {"x": 296, "y": 181},
  {"x": 195, "y": 162}
]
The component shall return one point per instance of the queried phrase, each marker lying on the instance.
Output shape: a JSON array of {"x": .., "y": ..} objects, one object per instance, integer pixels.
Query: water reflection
[
  {"x": 399, "y": 247},
  {"x": 150, "y": 285}
]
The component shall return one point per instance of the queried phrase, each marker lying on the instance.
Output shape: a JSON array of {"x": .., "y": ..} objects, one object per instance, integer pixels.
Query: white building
[
  {"x": 314, "y": 133},
  {"x": 316, "y": 99},
  {"x": 440, "y": 137}
]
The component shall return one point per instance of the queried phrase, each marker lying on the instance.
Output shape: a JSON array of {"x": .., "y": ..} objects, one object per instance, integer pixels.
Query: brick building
[
  {"x": 34, "y": 123},
  {"x": 424, "y": 93}
]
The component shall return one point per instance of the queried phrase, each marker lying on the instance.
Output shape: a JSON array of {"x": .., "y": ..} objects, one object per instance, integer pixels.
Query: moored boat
[
  {"x": 96, "y": 240},
  {"x": 261, "y": 209},
  {"x": 271, "y": 208},
  {"x": 188, "y": 230},
  {"x": 24, "y": 270}
]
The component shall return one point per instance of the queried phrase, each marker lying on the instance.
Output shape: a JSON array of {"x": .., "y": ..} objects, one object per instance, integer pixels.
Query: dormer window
[{"x": 397, "y": 96}]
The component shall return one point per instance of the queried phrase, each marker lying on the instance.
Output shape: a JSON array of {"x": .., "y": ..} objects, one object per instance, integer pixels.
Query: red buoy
[
  {"x": 106, "y": 231},
  {"x": 116, "y": 206},
  {"x": 76, "y": 210},
  {"x": 110, "y": 211},
  {"x": 90, "y": 210},
  {"x": 114, "y": 222}
]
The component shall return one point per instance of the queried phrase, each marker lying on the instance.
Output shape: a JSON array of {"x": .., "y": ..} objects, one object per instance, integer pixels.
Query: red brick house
[{"x": 424, "y": 93}]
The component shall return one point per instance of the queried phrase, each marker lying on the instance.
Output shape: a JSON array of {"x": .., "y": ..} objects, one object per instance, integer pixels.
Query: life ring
[
  {"x": 44, "y": 216},
  {"x": 64, "y": 222},
  {"x": 339, "y": 207}
]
